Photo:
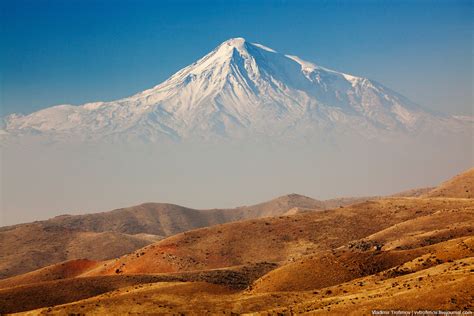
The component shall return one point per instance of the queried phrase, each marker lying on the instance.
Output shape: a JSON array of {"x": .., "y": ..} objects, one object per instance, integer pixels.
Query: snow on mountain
[{"x": 238, "y": 90}]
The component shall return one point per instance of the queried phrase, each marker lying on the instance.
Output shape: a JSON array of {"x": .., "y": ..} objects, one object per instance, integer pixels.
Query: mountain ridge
[
  {"x": 239, "y": 90},
  {"x": 321, "y": 260},
  {"x": 123, "y": 230}
]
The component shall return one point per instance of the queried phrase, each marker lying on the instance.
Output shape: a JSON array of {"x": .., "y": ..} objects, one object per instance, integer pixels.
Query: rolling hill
[
  {"x": 334, "y": 275},
  {"x": 385, "y": 253},
  {"x": 277, "y": 239},
  {"x": 100, "y": 236},
  {"x": 461, "y": 186}
]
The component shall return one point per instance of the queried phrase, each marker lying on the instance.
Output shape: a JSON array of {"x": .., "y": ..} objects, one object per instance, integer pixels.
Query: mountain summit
[{"x": 238, "y": 90}]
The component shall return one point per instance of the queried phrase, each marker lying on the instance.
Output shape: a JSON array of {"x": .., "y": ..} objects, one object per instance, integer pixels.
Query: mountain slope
[
  {"x": 461, "y": 186},
  {"x": 277, "y": 239},
  {"x": 164, "y": 219},
  {"x": 337, "y": 277},
  {"x": 322, "y": 260},
  {"x": 106, "y": 235},
  {"x": 28, "y": 247},
  {"x": 239, "y": 89},
  {"x": 441, "y": 287},
  {"x": 441, "y": 234}
]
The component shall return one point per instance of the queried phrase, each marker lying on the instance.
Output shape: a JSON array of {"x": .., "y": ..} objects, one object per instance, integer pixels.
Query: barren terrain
[{"x": 411, "y": 251}]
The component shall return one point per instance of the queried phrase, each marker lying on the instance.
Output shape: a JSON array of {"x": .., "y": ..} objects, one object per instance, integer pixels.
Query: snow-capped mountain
[{"x": 240, "y": 89}]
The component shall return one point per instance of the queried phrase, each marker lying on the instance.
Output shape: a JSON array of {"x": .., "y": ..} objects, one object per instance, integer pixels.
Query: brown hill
[
  {"x": 433, "y": 234},
  {"x": 28, "y": 247},
  {"x": 64, "y": 270},
  {"x": 331, "y": 268},
  {"x": 414, "y": 192},
  {"x": 383, "y": 253},
  {"x": 164, "y": 219},
  {"x": 30, "y": 292},
  {"x": 274, "y": 239},
  {"x": 328, "y": 252},
  {"x": 100, "y": 236},
  {"x": 442, "y": 225},
  {"x": 168, "y": 219},
  {"x": 447, "y": 286},
  {"x": 461, "y": 186}
]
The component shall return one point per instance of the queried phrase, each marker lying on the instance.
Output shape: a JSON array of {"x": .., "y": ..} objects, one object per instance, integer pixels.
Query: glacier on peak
[{"x": 239, "y": 89}]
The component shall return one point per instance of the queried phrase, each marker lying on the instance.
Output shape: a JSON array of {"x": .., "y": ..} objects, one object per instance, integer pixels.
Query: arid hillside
[
  {"x": 407, "y": 253},
  {"x": 461, "y": 186},
  {"x": 28, "y": 247},
  {"x": 106, "y": 235},
  {"x": 444, "y": 286},
  {"x": 277, "y": 239},
  {"x": 162, "y": 219},
  {"x": 414, "y": 192},
  {"x": 347, "y": 263}
]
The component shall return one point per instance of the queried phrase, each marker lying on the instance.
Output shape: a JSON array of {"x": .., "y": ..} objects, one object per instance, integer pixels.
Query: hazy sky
[{"x": 76, "y": 51}]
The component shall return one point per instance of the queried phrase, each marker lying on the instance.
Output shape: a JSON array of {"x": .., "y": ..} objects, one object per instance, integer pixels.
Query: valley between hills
[{"x": 291, "y": 255}]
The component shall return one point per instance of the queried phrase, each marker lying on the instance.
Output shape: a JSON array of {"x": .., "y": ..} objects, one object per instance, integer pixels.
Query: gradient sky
[{"x": 76, "y": 51}]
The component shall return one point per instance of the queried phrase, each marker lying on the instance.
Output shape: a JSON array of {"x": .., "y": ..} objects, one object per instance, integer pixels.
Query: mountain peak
[
  {"x": 235, "y": 42},
  {"x": 239, "y": 89},
  {"x": 241, "y": 45},
  {"x": 227, "y": 48}
]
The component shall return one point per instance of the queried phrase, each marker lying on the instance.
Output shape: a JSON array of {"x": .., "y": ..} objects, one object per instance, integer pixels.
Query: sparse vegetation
[{"x": 415, "y": 250}]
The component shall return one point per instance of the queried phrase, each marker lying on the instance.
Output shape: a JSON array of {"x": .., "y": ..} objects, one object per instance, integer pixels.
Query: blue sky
[{"x": 76, "y": 51}]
